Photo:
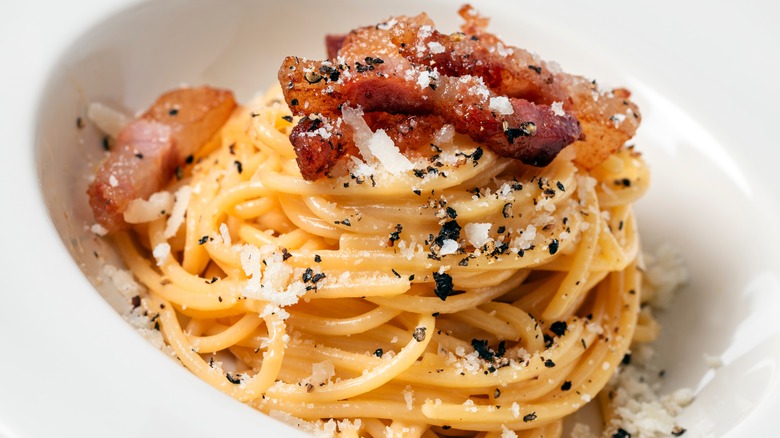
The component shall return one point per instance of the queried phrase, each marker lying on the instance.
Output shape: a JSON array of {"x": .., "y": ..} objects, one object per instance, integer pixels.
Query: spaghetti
[
  {"x": 454, "y": 292},
  {"x": 338, "y": 299}
]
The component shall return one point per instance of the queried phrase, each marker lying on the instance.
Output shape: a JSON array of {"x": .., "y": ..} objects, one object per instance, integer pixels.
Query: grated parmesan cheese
[
  {"x": 448, "y": 247},
  {"x": 123, "y": 280},
  {"x": 179, "y": 209},
  {"x": 375, "y": 144},
  {"x": 665, "y": 272},
  {"x": 99, "y": 230},
  {"x": 408, "y": 394},
  {"x": 506, "y": 433},
  {"x": 140, "y": 211},
  {"x": 435, "y": 47},
  {"x": 250, "y": 263},
  {"x": 477, "y": 234},
  {"x": 161, "y": 252},
  {"x": 501, "y": 105},
  {"x": 557, "y": 109},
  {"x": 224, "y": 232}
]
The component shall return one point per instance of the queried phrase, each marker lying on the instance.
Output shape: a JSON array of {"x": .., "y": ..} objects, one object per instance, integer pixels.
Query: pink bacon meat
[{"x": 148, "y": 150}]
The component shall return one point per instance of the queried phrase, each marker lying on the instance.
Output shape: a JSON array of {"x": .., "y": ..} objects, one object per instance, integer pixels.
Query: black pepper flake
[
  {"x": 449, "y": 230},
  {"x": 417, "y": 192},
  {"x": 135, "y": 301},
  {"x": 560, "y": 186},
  {"x": 173, "y": 112},
  {"x": 190, "y": 158},
  {"x": 317, "y": 258},
  {"x": 312, "y": 77},
  {"x": 444, "y": 286},
  {"x": 549, "y": 363},
  {"x": 535, "y": 68},
  {"x": 419, "y": 334},
  {"x": 553, "y": 246},
  {"x": 451, "y": 213},
  {"x": 234, "y": 379},
  {"x": 435, "y": 314},
  {"x": 317, "y": 277},
  {"x": 106, "y": 143},
  {"x": 625, "y": 182},
  {"x": 294, "y": 102},
  {"x": 626, "y": 359},
  {"x": 331, "y": 73},
  {"x": 239, "y": 166},
  {"x": 621, "y": 433},
  {"x": 548, "y": 340},
  {"x": 566, "y": 385},
  {"x": 139, "y": 155},
  {"x": 374, "y": 61},
  {"x": 507, "y": 210},
  {"x": 677, "y": 431},
  {"x": 528, "y": 128},
  {"x": 307, "y": 275},
  {"x": 285, "y": 254},
  {"x": 411, "y": 277},
  {"x": 445, "y": 427},
  {"x": 497, "y": 393},
  {"x": 378, "y": 352},
  {"x": 395, "y": 235},
  {"x": 477, "y": 154},
  {"x": 486, "y": 352},
  {"x": 482, "y": 348},
  {"x": 529, "y": 417},
  {"x": 79, "y": 122},
  {"x": 203, "y": 240},
  {"x": 213, "y": 280},
  {"x": 464, "y": 262},
  {"x": 395, "y": 273},
  {"x": 179, "y": 172},
  {"x": 219, "y": 298},
  {"x": 558, "y": 327},
  {"x": 288, "y": 118}
]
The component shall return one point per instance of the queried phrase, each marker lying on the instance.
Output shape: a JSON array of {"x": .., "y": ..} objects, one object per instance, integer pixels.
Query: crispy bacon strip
[
  {"x": 608, "y": 119},
  {"x": 148, "y": 151},
  {"x": 522, "y": 129}
]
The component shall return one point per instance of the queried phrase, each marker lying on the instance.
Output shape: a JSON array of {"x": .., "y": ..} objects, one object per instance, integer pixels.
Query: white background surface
[{"x": 704, "y": 74}]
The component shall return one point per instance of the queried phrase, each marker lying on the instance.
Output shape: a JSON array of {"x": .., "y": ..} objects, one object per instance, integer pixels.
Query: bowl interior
[{"x": 700, "y": 201}]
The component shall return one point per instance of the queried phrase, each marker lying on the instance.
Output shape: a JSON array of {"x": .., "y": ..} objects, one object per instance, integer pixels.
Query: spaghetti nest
[{"x": 472, "y": 293}]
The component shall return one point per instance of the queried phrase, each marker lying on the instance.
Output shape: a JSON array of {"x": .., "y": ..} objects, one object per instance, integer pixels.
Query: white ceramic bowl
[{"x": 75, "y": 368}]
